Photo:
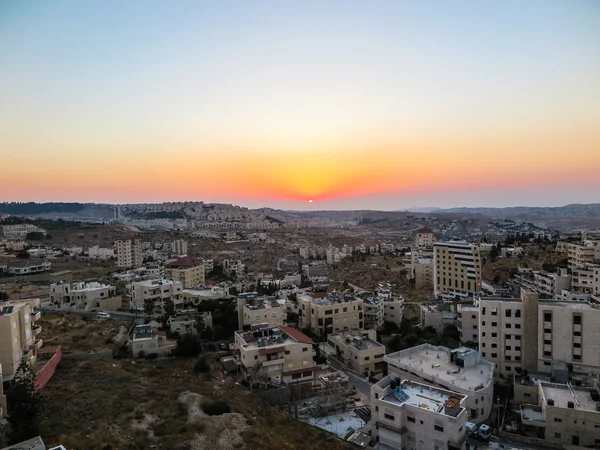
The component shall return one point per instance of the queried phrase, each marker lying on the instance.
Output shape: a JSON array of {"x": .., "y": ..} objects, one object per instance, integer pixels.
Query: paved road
[
  {"x": 119, "y": 315},
  {"x": 362, "y": 386}
]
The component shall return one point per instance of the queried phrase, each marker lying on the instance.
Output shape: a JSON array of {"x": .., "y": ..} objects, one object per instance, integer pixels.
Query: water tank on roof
[{"x": 393, "y": 385}]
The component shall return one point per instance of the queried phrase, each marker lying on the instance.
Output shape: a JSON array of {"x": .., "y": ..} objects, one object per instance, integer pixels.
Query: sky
[{"x": 354, "y": 105}]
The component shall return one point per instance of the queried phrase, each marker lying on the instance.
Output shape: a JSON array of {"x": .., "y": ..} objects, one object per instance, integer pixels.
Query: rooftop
[
  {"x": 562, "y": 395},
  {"x": 461, "y": 367},
  {"x": 272, "y": 337},
  {"x": 422, "y": 396},
  {"x": 356, "y": 339},
  {"x": 142, "y": 332},
  {"x": 333, "y": 298},
  {"x": 457, "y": 244},
  {"x": 185, "y": 262}
]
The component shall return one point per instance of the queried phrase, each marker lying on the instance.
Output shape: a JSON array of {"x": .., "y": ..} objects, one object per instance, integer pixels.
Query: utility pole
[{"x": 498, "y": 413}]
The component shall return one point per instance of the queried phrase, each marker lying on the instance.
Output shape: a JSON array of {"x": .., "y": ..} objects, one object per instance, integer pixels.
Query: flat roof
[
  {"x": 562, "y": 396},
  {"x": 572, "y": 304},
  {"x": 428, "y": 361},
  {"x": 420, "y": 395},
  {"x": 356, "y": 339}
]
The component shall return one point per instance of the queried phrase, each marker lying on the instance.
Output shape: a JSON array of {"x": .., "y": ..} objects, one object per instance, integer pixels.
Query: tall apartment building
[
  {"x": 374, "y": 313},
  {"x": 359, "y": 350},
  {"x": 18, "y": 335},
  {"x": 188, "y": 270},
  {"x": 335, "y": 312},
  {"x": 582, "y": 253},
  {"x": 179, "y": 247},
  {"x": 84, "y": 296},
  {"x": 159, "y": 291},
  {"x": 424, "y": 238},
  {"x": 456, "y": 269},
  {"x": 406, "y": 415},
  {"x": 129, "y": 253},
  {"x": 421, "y": 268},
  {"x": 467, "y": 322},
  {"x": 256, "y": 310},
  {"x": 275, "y": 355},
  {"x": 460, "y": 370}
]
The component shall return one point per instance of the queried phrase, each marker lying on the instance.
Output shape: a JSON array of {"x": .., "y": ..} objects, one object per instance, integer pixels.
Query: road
[
  {"x": 118, "y": 315},
  {"x": 361, "y": 385}
]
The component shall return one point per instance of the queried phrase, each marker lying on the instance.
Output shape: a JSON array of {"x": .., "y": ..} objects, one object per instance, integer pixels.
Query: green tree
[
  {"x": 25, "y": 405},
  {"x": 149, "y": 306}
]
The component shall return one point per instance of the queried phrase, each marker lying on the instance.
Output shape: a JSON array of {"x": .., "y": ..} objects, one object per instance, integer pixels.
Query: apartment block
[
  {"x": 101, "y": 252},
  {"x": 84, "y": 296},
  {"x": 335, "y": 312},
  {"x": 423, "y": 272},
  {"x": 129, "y": 253},
  {"x": 29, "y": 267},
  {"x": 586, "y": 279},
  {"x": 359, "y": 350},
  {"x": 569, "y": 332},
  {"x": 460, "y": 370},
  {"x": 187, "y": 270},
  {"x": 275, "y": 355},
  {"x": 179, "y": 247},
  {"x": 393, "y": 310},
  {"x": 582, "y": 253},
  {"x": 18, "y": 335},
  {"x": 468, "y": 322},
  {"x": 159, "y": 291},
  {"x": 233, "y": 267},
  {"x": 421, "y": 258},
  {"x": 545, "y": 283},
  {"x": 406, "y": 415},
  {"x": 186, "y": 322},
  {"x": 566, "y": 415},
  {"x": 456, "y": 269},
  {"x": 374, "y": 312},
  {"x": 436, "y": 316},
  {"x": 256, "y": 310},
  {"x": 20, "y": 230}
]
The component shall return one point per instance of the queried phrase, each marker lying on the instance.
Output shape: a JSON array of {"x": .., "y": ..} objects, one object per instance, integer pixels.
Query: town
[{"x": 191, "y": 325}]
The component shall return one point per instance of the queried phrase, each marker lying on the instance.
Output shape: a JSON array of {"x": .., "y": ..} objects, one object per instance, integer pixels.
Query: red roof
[
  {"x": 185, "y": 261},
  {"x": 297, "y": 335},
  {"x": 267, "y": 351}
]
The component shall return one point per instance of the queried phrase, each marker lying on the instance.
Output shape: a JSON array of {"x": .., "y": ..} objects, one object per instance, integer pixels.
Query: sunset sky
[{"x": 356, "y": 105}]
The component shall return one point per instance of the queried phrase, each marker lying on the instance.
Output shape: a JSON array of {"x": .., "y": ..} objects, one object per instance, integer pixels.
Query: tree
[
  {"x": 23, "y": 254},
  {"x": 3, "y": 295},
  {"x": 25, "y": 405},
  {"x": 149, "y": 306},
  {"x": 169, "y": 310}
]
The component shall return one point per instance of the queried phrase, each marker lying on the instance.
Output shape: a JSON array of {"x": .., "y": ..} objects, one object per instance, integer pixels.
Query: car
[{"x": 102, "y": 315}]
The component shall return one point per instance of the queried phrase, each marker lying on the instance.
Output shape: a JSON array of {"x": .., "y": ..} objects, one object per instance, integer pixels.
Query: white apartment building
[
  {"x": 179, "y": 247},
  {"x": 186, "y": 322},
  {"x": 436, "y": 316},
  {"x": 18, "y": 335},
  {"x": 129, "y": 253},
  {"x": 146, "y": 341},
  {"x": 20, "y": 230},
  {"x": 254, "y": 310},
  {"x": 468, "y": 322},
  {"x": 546, "y": 283},
  {"x": 29, "y": 268},
  {"x": 460, "y": 370},
  {"x": 406, "y": 415},
  {"x": 275, "y": 355},
  {"x": 586, "y": 279},
  {"x": 393, "y": 310},
  {"x": 84, "y": 296},
  {"x": 456, "y": 269},
  {"x": 424, "y": 238},
  {"x": 233, "y": 267},
  {"x": 334, "y": 312},
  {"x": 374, "y": 312},
  {"x": 159, "y": 291},
  {"x": 359, "y": 350},
  {"x": 582, "y": 253},
  {"x": 566, "y": 415},
  {"x": 101, "y": 252}
]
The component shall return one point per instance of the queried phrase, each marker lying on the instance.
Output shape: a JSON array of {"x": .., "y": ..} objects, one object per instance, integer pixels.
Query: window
[
  {"x": 388, "y": 416},
  {"x": 476, "y": 400},
  {"x": 287, "y": 352},
  {"x": 548, "y": 354},
  {"x": 508, "y": 313},
  {"x": 337, "y": 310},
  {"x": 305, "y": 349},
  {"x": 547, "y": 317},
  {"x": 556, "y": 435},
  {"x": 473, "y": 317},
  {"x": 483, "y": 354},
  {"x": 376, "y": 408},
  {"x": 508, "y": 368},
  {"x": 547, "y": 330},
  {"x": 410, "y": 419},
  {"x": 494, "y": 334},
  {"x": 483, "y": 310},
  {"x": 577, "y": 345},
  {"x": 577, "y": 333},
  {"x": 547, "y": 342},
  {"x": 508, "y": 357},
  {"x": 494, "y": 311},
  {"x": 508, "y": 325},
  {"x": 508, "y": 336},
  {"x": 483, "y": 323},
  {"x": 494, "y": 324},
  {"x": 367, "y": 358},
  {"x": 345, "y": 309},
  {"x": 494, "y": 345},
  {"x": 507, "y": 347},
  {"x": 483, "y": 344},
  {"x": 328, "y": 312},
  {"x": 438, "y": 428},
  {"x": 517, "y": 325},
  {"x": 494, "y": 355},
  {"x": 556, "y": 419},
  {"x": 483, "y": 334}
]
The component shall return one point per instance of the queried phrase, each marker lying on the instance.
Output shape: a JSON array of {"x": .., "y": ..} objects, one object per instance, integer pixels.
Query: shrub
[{"x": 216, "y": 408}]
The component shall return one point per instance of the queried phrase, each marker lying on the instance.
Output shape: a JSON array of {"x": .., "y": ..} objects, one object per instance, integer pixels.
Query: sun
[{"x": 310, "y": 201}]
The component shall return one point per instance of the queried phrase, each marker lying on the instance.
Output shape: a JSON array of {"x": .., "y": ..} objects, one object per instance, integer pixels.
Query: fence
[{"x": 53, "y": 355}]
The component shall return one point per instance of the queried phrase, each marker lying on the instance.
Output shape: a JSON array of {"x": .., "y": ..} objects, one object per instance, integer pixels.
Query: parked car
[{"x": 102, "y": 315}]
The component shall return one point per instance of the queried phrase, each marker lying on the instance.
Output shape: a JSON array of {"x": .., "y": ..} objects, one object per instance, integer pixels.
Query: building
[
  {"x": 393, "y": 310},
  {"x": 159, "y": 291},
  {"x": 374, "y": 312},
  {"x": 460, "y": 370},
  {"x": 101, "y": 252},
  {"x": 424, "y": 238},
  {"x": 422, "y": 272},
  {"x": 179, "y": 247},
  {"x": 582, "y": 253},
  {"x": 186, "y": 322},
  {"x": 146, "y": 341},
  {"x": 18, "y": 335},
  {"x": 20, "y": 230},
  {"x": 545, "y": 283},
  {"x": 359, "y": 350},
  {"x": 436, "y": 316},
  {"x": 232, "y": 267},
  {"x": 83, "y": 296},
  {"x": 256, "y": 310},
  {"x": 129, "y": 253},
  {"x": 468, "y": 322},
  {"x": 275, "y": 355},
  {"x": 586, "y": 279},
  {"x": 188, "y": 270},
  {"x": 334, "y": 312},
  {"x": 29, "y": 267},
  {"x": 565, "y": 414},
  {"x": 3, "y": 410},
  {"x": 414, "y": 416},
  {"x": 456, "y": 269}
]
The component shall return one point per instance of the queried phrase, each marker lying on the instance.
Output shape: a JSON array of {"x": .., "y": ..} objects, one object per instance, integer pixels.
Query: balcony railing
[
  {"x": 36, "y": 315},
  {"x": 37, "y": 329},
  {"x": 386, "y": 426},
  {"x": 37, "y": 344}
]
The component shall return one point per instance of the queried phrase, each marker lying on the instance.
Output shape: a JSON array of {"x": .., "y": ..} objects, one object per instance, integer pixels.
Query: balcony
[
  {"x": 273, "y": 362},
  {"x": 27, "y": 354},
  {"x": 37, "y": 344},
  {"x": 36, "y": 315},
  {"x": 391, "y": 428},
  {"x": 37, "y": 329}
]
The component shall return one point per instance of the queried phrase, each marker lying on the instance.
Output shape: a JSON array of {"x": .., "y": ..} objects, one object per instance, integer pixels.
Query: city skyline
[{"x": 387, "y": 106}]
